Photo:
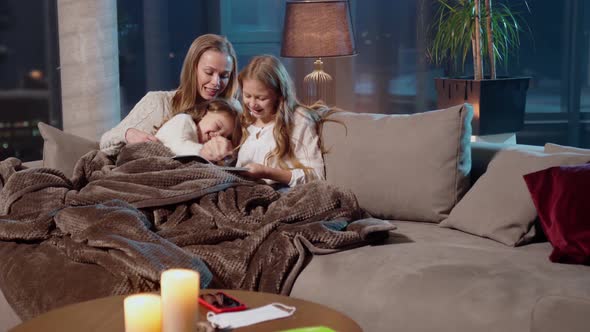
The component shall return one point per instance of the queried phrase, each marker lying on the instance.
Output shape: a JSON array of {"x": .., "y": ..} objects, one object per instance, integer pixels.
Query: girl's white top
[
  {"x": 148, "y": 114},
  {"x": 180, "y": 134},
  {"x": 305, "y": 144}
]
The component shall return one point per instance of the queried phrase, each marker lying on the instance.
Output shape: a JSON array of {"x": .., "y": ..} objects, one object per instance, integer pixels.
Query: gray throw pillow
[
  {"x": 62, "y": 150},
  {"x": 499, "y": 205},
  {"x": 405, "y": 167}
]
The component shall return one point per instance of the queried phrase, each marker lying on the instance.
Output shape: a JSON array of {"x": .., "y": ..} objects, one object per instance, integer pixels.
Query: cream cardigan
[{"x": 147, "y": 114}]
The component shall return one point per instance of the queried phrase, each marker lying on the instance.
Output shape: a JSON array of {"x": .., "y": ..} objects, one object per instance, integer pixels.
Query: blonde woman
[
  {"x": 209, "y": 71},
  {"x": 280, "y": 136}
]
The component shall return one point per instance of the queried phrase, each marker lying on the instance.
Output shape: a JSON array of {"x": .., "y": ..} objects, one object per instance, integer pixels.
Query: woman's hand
[
  {"x": 133, "y": 135},
  {"x": 217, "y": 148}
]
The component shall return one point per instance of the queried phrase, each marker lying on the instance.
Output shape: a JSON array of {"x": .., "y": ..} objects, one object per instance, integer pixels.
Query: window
[
  {"x": 29, "y": 77},
  {"x": 391, "y": 73},
  {"x": 394, "y": 76},
  {"x": 154, "y": 36}
]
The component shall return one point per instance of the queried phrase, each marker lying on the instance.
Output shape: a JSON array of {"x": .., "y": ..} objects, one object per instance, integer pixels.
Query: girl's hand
[
  {"x": 133, "y": 135},
  {"x": 217, "y": 148},
  {"x": 257, "y": 171}
]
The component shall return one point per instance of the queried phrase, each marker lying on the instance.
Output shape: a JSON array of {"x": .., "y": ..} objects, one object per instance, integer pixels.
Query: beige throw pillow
[
  {"x": 499, "y": 205},
  {"x": 555, "y": 148},
  {"x": 62, "y": 150},
  {"x": 404, "y": 167}
]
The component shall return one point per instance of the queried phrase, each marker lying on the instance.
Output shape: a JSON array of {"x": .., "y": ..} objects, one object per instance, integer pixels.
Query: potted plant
[{"x": 472, "y": 26}]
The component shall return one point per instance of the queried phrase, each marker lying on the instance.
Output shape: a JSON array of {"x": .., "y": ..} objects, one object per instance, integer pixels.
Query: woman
[{"x": 209, "y": 71}]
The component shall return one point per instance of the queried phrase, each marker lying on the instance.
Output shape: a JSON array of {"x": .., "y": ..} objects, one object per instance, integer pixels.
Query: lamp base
[{"x": 318, "y": 86}]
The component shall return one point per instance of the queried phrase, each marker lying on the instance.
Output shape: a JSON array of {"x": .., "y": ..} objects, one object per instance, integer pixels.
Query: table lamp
[{"x": 317, "y": 29}]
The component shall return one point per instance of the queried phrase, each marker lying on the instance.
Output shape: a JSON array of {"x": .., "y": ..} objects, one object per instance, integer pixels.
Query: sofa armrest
[
  {"x": 33, "y": 164},
  {"x": 561, "y": 313}
]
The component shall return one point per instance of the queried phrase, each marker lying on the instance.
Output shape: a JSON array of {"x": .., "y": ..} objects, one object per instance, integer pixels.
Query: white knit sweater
[{"x": 147, "y": 114}]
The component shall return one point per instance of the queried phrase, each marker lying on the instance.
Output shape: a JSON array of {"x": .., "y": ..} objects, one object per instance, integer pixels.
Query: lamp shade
[{"x": 317, "y": 29}]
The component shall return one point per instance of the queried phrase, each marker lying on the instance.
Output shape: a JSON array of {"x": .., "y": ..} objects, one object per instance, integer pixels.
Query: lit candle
[
  {"x": 180, "y": 305},
  {"x": 143, "y": 313}
]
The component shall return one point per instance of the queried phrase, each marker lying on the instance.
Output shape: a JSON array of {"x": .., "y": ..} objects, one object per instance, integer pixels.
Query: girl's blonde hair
[
  {"x": 269, "y": 70},
  {"x": 218, "y": 105},
  {"x": 187, "y": 95}
]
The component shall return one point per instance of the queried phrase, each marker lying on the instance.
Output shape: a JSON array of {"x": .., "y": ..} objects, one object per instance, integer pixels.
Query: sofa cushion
[
  {"x": 561, "y": 313},
  {"x": 428, "y": 278},
  {"x": 499, "y": 206},
  {"x": 556, "y": 148},
  {"x": 562, "y": 197},
  {"x": 483, "y": 152},
  {"x": 411, "y": 167},
  {"x": 62, "y": 150}
]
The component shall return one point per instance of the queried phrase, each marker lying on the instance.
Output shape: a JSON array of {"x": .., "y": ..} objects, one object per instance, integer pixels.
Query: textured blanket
[{"x": 116, "y": 225}]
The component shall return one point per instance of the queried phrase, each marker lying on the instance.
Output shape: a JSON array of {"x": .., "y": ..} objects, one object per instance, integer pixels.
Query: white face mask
[{"x": 248, "y": 317}]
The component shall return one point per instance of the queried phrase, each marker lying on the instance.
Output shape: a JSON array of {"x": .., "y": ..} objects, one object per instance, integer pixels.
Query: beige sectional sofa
[
  {"x": 466, "y": 254},
  {"x": 418, "y": 171}
]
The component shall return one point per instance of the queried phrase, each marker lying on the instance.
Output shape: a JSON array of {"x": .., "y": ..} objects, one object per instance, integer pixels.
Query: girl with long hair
[{"x": 280, "y": 136}]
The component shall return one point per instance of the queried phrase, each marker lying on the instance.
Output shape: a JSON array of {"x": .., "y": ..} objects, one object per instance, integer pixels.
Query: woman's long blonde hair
[
  {"x": 187, "y": 95},
  {"x": 269, "y": 70}
]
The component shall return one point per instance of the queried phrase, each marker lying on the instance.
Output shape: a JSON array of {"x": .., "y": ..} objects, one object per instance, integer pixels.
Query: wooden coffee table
[{"x": 106, "y": 314}]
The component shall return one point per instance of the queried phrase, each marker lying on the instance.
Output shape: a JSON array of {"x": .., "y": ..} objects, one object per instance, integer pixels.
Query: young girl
[
  {"x": 280, "y": 140},
  {"x": 211, "y": 122}
]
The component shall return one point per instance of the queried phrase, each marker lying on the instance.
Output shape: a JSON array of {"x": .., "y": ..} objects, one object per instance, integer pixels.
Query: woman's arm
[{"x": 149, "y": 112}]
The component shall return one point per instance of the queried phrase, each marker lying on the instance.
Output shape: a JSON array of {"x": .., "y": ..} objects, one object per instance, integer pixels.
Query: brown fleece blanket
[{"x": 115, "y": 226}]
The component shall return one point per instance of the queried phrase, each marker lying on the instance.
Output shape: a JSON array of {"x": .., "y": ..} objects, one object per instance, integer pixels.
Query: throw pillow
[
  {"x": 556, "y": 148},
  {"x": 62, "y": 150},
  {"x": 404, "y": 167},
  {"x": 499, "y": 206},
  {"x": 562, "y": 197}
]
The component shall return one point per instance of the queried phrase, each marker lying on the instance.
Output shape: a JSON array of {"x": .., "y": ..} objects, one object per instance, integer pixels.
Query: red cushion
[{"x": 562, "y": 197}]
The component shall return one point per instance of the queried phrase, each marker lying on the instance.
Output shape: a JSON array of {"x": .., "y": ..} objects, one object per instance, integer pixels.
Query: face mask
[{"x": 248, "y": 317}]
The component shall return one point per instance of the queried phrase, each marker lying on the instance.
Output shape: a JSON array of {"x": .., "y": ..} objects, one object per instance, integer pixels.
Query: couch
[
  {"x": 468, "y": 253},
  {"x": 460, "y": 277}
]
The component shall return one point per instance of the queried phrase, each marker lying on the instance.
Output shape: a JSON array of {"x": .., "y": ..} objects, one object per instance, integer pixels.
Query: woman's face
[
  {"x": 213, "y": 72},
  {"x": 259, "y": 100},
  {"x": 215, "y": 124}
]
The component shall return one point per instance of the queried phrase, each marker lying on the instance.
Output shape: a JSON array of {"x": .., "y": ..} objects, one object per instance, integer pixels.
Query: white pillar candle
[
  {"x": 180, "y": 304},
  {"x": 143, "y": 313}
]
